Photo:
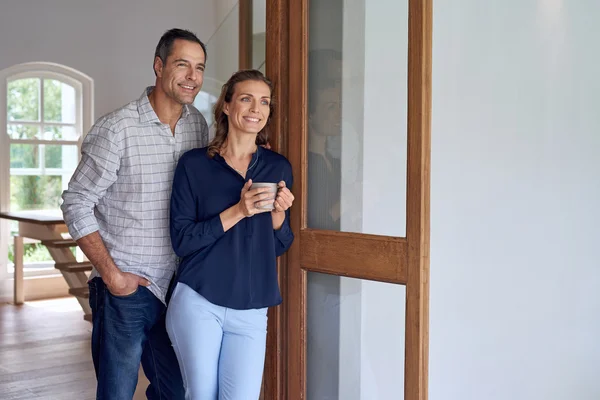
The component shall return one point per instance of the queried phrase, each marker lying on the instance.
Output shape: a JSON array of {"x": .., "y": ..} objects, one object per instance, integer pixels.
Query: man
[{"x": 116, "y": 208}]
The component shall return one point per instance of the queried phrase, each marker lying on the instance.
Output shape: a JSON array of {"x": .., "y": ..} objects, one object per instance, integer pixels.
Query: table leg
[{"x": 18, "y": 275}]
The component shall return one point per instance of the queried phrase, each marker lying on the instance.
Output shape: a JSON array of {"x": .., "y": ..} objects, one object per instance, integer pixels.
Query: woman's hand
[
  {"x": 284, "y": 198},
  {"x": 283, "y": 201},
  {"x": 251, "y": 201}
]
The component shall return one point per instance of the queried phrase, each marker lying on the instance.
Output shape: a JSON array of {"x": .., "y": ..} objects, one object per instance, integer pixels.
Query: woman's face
[
  {"x": 248, "y": 110},
  {"x": 326, "y": 118}
]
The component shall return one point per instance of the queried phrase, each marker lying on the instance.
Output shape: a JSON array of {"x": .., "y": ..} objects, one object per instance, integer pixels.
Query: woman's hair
[
  {"x": 320, "y": 74},
  {"x": 221, "y": 121}
]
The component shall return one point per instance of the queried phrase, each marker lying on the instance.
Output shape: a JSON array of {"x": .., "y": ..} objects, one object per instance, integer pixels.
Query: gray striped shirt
[{"x": 122, "y": 187}]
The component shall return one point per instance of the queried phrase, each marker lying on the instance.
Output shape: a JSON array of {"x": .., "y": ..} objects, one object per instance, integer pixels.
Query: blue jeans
[
  {"x": 126, "y": 331},
  {"x": 221, "y": 351}
]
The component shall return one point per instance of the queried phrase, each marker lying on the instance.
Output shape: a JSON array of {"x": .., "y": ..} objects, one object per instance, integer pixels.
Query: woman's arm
[
  {"x": 189, "y": 235},
  {"x": 281, "y": 217},
  {"x": 284, "y": 235},
  {"x": 282, "y": 203}
]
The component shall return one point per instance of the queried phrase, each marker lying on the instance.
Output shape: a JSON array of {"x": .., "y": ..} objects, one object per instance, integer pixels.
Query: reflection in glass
[
  {"x": 324, "y": 134},
  {"x": 359, "y": 354},
  {"x": 23, "y": 100},
  {"x": 356, "y": 182},
  {"x": 357, "y": 138},
  {"x": 324, "y": 195}
]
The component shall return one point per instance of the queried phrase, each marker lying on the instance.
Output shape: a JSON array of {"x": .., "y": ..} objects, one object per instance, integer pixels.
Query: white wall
[
  {"x": 112, "y": 41},
  {"x": 515, "y": 268}
]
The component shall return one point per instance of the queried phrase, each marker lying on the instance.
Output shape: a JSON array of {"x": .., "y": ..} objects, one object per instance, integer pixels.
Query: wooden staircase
[
  {"x": 75, "y": 272},
  {"x": 49, "y": 228}
]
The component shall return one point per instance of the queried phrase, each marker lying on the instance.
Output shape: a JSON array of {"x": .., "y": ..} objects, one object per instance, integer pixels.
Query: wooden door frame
[
  {"x": 245, "y": 34},
  {"x": 274, "y": 381},
  {"x": 286, "y": 65}
]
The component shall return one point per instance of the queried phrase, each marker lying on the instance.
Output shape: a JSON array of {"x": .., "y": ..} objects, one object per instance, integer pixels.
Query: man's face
[
  {"x": 334, "y": 71},
  {"x": 180, "y": 77}
]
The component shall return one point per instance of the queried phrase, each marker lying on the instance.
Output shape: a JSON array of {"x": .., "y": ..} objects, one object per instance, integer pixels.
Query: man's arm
[
  {"x": 96, "y": 172},
  {"x": 119, "y": 283}
]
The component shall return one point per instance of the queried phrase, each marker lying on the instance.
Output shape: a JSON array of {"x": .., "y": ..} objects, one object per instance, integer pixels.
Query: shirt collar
[
  {"x": 253, "y": 161},
  {"x": 147, "y": 113},
  {"x": 256, "y": 157}
]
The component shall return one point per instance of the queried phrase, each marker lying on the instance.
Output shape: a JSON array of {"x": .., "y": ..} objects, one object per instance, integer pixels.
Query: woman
[{"x": 228, "y": 242}]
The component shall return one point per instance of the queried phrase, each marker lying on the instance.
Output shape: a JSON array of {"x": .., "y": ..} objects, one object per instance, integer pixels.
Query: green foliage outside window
[
  {"x": 52, "y": 100},
  {"x": 31, "y": 253},
  {"x": 29, "y": 192},
  {"x": 33, "y": 192},
  {"x": 24, "y": 98}
]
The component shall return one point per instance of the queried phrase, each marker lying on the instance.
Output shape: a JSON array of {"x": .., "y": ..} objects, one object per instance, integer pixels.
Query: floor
[{"x": 45, "y": 352}]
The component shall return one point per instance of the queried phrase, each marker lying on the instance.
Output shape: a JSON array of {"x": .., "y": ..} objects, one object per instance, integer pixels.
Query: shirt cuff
[
  {"x": 216, "y": 227},
  {"x": 83, "y": 227},
  {"x": 284, "y": 232}
]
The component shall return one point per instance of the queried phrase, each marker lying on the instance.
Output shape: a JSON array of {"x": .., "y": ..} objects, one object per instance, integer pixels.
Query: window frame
[{"x": 84, "y": 117}]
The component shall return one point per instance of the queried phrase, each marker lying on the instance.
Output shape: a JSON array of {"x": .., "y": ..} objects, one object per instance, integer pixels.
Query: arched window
[{"x": 45, "y": 110}]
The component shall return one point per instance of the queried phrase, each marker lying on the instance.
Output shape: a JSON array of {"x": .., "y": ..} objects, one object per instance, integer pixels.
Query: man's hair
[{"x": 165, "y": 44}]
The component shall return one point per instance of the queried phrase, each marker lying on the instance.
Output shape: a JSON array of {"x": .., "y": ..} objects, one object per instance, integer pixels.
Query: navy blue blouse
[{"x": 237, "y": 268}]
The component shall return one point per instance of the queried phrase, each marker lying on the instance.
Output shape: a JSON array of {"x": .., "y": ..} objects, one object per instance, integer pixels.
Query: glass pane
[
  {"x": 357, "y": 116},
  {"x": 355, "y": 339},
  {"x": 35, "y": 257},
  {"x": 35, "y": 192},
  {"x": 59, "y": 102},
  {"x": 22, "y": 131},
  {"x": 223, "y": 52},
  {"x": 205, "y": 102},
  {"x": 60, "y": 133},
  {"x": 23, "y": 100},
  {"x": 24, "y": 155},
  {"x": 259, "y": 37},
  {"x": 61, "y": 156},
  {"x": 223, "y": 58}
]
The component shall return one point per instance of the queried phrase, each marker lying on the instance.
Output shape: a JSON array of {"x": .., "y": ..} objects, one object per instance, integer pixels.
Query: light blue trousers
[{"x": 221, "y": 351}]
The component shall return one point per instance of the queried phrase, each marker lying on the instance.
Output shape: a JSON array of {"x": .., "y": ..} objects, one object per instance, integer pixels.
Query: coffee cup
[{"x": 272, "y": 189}]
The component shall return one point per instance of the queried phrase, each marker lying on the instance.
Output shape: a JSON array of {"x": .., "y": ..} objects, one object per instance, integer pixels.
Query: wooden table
[{"x": 46, "y": 226}]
